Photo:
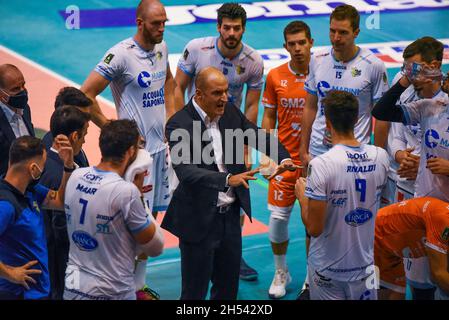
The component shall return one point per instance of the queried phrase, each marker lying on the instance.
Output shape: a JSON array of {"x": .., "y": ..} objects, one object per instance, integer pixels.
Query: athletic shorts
[
  {"x": 156, "y": 189},
  {"x": 417, "y": 272},
  {"x": 322, "y": 288},
  {"x": 281, "y": 190}
]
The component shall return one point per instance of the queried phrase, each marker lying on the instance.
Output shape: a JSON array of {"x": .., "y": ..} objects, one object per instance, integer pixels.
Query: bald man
[
  {"x": 143, "y": 87},
  {"x": 15, "y": 115},
  {"x": 213, "y": 185}
]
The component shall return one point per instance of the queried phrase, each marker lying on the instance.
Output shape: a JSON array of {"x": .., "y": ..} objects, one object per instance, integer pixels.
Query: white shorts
[
  {"x": 322, "y": 288},
  {"x": 417, "y": 272},
  {"x": 156, "y": 188},
  {"x": 80, "y": 285}
]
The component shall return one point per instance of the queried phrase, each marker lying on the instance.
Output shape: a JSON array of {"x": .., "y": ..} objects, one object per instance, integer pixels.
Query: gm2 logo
[
  {"x": 358, "y": 217},
  {"x": 144, "y": 79},
  {"x": 430, "y": 136}
]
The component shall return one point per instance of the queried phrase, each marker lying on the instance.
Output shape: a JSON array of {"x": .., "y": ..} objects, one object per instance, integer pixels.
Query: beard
[
  {"x": 149, "y": 38},
  {"x": 226, "y": 42}
]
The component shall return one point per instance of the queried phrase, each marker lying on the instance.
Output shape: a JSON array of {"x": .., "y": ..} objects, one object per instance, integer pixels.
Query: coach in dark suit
[
  {"x": 15, "y": 115},
  {"x": 213, "y": 186}
]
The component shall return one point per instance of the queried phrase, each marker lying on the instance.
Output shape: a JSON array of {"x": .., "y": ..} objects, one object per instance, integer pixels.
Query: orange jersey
[
  {"x": 284, "y": 91},
  {"x": 405, "y": 228}
]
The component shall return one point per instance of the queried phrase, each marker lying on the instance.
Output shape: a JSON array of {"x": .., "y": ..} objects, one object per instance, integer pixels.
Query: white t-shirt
[
  {"x": 350, "y": 180},
  {"x": 364, "y": 76},
  {"x": 433, "y": 116},
  {"x": 246, "y": 67},
  {"x": 137, "y": 83},
  {"x": 103, "y": 212}
]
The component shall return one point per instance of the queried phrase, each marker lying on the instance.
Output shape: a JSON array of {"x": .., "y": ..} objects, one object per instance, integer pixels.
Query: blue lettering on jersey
[
  {"x": 357, "y": 169},
  {"x": 92, "y": 177},
  {"x": 103, "y": 228},
  {"x": 342, "y": 191},
  {"x": 153, "y": 98},
  {"x": 357, "y": 156},
  {"x": 358, "y": 217},
  {"x": 444, "y": 143},
  {"x": 339, "y": 202},
  {"x": 86, "y": 190},
  {"x": 84, "y": 241},
  {"x": 144, "y": 79},
  {"x": 107, "y": 218},
  {"x": 227, "y": 64},
  {"x": 429, "y": 136}
]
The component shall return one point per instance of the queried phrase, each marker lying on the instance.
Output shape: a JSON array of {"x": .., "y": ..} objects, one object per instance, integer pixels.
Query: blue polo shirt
[{"x": 22, "y": 239}]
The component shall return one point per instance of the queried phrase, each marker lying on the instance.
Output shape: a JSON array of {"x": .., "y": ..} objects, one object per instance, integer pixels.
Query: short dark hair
[
  {"x": 297, "y": 27},
  {"x": 429, "y": 48},
  {"x": 25, "y": 148},
  {"x": 72, "y": 96},
  {"x": 341, "y": 108},
  {"x": 347, "y": 12},
  {"x": 116, "y": 138},
  {"x": 231, "y": 10},
  {"x": 68, "y": 119}
]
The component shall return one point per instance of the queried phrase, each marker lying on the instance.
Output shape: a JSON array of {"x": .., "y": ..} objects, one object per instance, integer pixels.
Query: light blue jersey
[
  {"x": 433, "y": 116},
  {"x": 364, "y": 76},
  {"x": 246, "y": 67},
  {"x": 137, "y": 83},
  {"x": 350, "y": 180}
]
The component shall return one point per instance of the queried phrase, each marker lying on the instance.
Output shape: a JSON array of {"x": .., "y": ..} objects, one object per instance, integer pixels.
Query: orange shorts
[{"x": 281, "y": 190}]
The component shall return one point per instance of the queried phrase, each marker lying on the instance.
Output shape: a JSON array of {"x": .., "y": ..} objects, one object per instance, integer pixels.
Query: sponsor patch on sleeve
[{"x": 108, "y": 58}]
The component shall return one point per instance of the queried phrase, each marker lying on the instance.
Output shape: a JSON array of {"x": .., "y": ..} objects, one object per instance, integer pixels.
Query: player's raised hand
[
  {"x": 438, "y": 166},
  {"x": 242, "y": 178},
  {"x": 284, "y": 166},
  {"x": 65, "y": 150}
]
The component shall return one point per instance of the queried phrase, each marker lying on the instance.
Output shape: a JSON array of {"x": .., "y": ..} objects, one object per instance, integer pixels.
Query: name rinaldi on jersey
[
  {"x": 364, "y": 76},
  {"x": 246, "y": 67},
  {"x": 350, "y": 180},
  {"x": 137, "y": 84},
  {"x": 103, "y": 212}
]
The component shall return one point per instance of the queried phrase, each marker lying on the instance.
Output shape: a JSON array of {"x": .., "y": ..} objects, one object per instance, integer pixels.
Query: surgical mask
[
  {"x": 35, "y": 181},
  {"x": 18, "y": 101},
  {"x": 415, "y": 71}
]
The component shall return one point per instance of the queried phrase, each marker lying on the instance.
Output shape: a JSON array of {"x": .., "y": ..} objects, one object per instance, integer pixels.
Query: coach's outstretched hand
[
  {"x": 284, "y": 166},
  {"x": 242, "y": 178}
]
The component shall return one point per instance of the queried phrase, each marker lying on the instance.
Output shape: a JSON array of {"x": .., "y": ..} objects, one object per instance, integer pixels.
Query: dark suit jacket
[
  {"x": 80, "y": 159},
  {"x": 7, "y": 136},
  {"x": 194, "y": 202}
]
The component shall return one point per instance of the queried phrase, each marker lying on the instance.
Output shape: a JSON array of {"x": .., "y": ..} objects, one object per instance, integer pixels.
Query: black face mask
[
  {"x": 34, "y": 182},
  {"x": 19, "y": 101}
]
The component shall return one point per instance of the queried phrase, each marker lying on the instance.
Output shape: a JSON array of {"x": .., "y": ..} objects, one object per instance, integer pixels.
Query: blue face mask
[{"x": 18, "y": 101}]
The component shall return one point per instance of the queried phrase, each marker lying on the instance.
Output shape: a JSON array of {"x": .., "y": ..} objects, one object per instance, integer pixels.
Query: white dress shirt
[
  {"x": 15, "y": 121},
  {"x": 228, "y": 197}
]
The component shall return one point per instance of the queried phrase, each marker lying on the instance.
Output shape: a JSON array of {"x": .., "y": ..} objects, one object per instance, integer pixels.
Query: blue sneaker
[{"x": 246, "y": 272}]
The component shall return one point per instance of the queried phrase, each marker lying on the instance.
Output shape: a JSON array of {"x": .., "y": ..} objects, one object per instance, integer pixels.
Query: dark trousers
[
  {"x": 10, "y": 296},
  {"x": 215, "y": 259},
  {"x": 58, "y": 245}
]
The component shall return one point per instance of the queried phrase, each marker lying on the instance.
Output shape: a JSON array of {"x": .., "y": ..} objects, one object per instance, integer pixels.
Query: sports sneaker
[
  {"x": 246, "y": 272},
  {"x": 281, "y": 280},
  {"x": 304, "y": 294},
  {"x": 147, "y": 294}
]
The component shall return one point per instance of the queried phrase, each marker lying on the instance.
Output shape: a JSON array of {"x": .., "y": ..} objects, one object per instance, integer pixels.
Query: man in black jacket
[
  {"x": 15, "y": 115},
  {"x": 213, "y": 186},
  {"x": 73, "y": 123}
]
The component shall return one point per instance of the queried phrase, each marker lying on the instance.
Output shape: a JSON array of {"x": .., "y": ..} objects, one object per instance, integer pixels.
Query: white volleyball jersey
[
  {"x": 137, "y": 84},
  {"x": 246, "y": 67},
  {"x": 433, "y": 116},
  {"x": 364, "y": 76},
  {"x": 350, "y": 180},
  {"x": 103, "y": 212},
  {"x": 401, "y": 137}
]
